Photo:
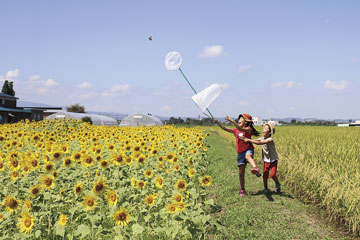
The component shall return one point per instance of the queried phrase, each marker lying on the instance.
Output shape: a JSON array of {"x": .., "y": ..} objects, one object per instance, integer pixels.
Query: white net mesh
[{"x": 173, "y": 61}]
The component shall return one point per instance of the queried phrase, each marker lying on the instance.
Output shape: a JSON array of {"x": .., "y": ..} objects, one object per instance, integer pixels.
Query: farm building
[
  {"x": 11, "y": 111},
  {"x": 95, "y": 118},
  {"x": 353, "y": 124},
  {"x": 140, "y": 120}
]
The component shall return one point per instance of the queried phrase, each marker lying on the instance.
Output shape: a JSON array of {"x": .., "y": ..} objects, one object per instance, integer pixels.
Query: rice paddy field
[
  {"x": 321, "y": 166},
  {"x": 66, "y": 179}
]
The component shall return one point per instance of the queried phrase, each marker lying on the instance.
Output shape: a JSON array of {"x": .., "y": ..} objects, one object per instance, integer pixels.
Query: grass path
[{"x": 257, "y": 216}]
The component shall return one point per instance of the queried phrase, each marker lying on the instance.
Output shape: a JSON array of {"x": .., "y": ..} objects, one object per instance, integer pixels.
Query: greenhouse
[
  {"x": 95, "y": 118},
  {"x": 140, "y": 120}
]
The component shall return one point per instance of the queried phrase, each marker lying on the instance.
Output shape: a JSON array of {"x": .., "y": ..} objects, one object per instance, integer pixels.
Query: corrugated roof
[
  {"x": 3, "y": 109},
  {"x": 7, "y": 95}
]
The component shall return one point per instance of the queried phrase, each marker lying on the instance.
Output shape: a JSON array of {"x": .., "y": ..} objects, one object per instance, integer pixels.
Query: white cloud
[
  {"x": 12, "y": 74},
  {"x": 117, "y": 90},
  {"x": 243, "y": 103},
  {"x": 34, "y": 77},
  {"x": 84, "y": 85},
  {"x": 338, "y": 86},
  {"x": 212, "y": 51},
  {"x": 243, "y": 68},
  {"x": 327, "y": 21},
  {"x": 290, "y": 84},
  {"x": 292, "y": 108},
  {"x": 50, "y": 83},
  {"x": 166, "y": 108},
  {"x": 36, "y": 85},
  {"x": 2, "y": 78}
]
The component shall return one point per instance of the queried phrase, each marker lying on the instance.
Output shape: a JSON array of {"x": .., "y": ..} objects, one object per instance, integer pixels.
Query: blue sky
[{"x": 278, "y": 58}]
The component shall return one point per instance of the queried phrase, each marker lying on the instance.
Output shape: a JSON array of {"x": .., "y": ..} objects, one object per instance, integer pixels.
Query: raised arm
[
  {"x": 222, "y": 126},
  {"x": 245, "y": 129}
]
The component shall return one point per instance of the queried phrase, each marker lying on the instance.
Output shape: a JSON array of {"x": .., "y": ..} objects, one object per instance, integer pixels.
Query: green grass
[{"x": 257, "y": 216}]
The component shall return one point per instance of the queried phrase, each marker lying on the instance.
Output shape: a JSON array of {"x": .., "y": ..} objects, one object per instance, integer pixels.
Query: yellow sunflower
[
  {"x": 111, "y": 197},
  {"x": 159, "y": 182},
  {"x": 87, "y": 160},
  {"x": 171, "y": 208},
  {"x": 62, "y": 220},
  {"x": 181, "y": 185},
  {"x": 104, "y": 164},
  {"x": 35, "y": 191},
  {"x": 48, "y": 181},
  {"x": 14, "y": 175},
  {"x": 26, "y": 222},
  {"x": 89, "y": 202},
  {"x": 118, "y": 159},
  {"x": 191, "y": 172},
  {"x": 140, "y": 184},
  {"x": 178, "y": 197},
  {"x": 206, "y": 181},
  {"x": 149, "y": 200},
  {"x": 99, "y": 186},
  {"x": 148, "y": 173},
  {"x": 11, "y": 204},
  {"x": 121, "y": 217},
  {"x": 78, "y": 188},
  {"x": 67, "y": 162}
]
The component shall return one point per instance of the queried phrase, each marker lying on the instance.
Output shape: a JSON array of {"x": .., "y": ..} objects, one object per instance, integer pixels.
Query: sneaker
[
  {"x": 242, "y": 193},
  {"x": 266, "y": 190},
  {"x": 255, "y": 171},
  {"x": 278, "y": 188}
]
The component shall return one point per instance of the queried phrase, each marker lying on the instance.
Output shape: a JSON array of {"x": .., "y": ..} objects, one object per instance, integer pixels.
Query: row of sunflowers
[{"x": 66, "y": 179}]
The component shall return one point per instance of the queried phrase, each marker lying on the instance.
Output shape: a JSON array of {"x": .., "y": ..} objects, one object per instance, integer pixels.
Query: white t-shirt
[{"x": 269, "y": 153}]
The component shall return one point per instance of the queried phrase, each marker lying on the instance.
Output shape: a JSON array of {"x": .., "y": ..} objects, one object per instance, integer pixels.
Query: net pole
[{"x": 195, "y": 92}]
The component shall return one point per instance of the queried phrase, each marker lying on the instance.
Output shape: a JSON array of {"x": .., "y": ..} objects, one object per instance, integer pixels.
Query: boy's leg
[
  {"x": 274, "y": 177},
  {"x": 266, "y": 176}
]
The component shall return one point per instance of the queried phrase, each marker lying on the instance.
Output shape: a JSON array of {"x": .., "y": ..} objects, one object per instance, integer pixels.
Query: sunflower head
[
  {"x": 99, "y": 186},
  {"x": 62, "y": 220},
  {"x": 11, "y": 204},
  {"x": 111, "y": 197},
  {"x": 206, "y": 181},
  {"x": 121, "y": 217},
  {"x": 181, "y": 185},
  {"x": 149, "y": 200},
  {"x": 35, "y": 191},
  {"x": 26, "y": 222},
  {"x": 89, "y": 202}
]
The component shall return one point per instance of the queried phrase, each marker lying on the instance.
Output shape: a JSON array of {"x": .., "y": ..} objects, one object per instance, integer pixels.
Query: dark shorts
[{"x": 241, "y": 156}]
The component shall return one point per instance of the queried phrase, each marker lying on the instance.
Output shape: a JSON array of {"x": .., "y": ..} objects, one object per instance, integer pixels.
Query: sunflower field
[{"x": 72, "y": 180}]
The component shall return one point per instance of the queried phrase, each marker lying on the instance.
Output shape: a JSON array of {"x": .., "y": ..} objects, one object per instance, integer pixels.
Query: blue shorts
[{"x": 241, "y": 156}]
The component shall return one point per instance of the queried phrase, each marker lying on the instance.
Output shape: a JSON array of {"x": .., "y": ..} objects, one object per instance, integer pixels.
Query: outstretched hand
[{"x": 215, "y": 120}]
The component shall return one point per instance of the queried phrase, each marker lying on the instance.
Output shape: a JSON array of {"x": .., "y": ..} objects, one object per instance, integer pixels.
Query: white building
[
  {"x": 258, "y": 121},
  {"x": 274, "y": 123}
]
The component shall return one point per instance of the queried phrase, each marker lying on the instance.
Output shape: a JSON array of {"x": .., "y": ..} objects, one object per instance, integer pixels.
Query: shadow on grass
[{"x": 270, "y": 193}]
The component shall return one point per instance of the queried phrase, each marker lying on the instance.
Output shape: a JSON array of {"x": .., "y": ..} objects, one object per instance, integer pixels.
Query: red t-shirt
[{"x": 241, "y": 145}]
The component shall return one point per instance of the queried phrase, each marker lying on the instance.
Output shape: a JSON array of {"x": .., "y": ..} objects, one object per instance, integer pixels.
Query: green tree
[
  {"x": 8, "y": 88},
  {"x": 86, "y": 119},
  {"x": 76, "y": 108}
]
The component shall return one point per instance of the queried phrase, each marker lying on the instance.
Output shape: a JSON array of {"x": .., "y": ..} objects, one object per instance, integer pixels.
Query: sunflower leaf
[{"x": 137, "y": 229}]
